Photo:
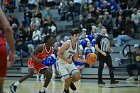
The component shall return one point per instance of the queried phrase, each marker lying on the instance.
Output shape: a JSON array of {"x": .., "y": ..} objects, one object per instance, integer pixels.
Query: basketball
[{"x": 91, "y": 58}]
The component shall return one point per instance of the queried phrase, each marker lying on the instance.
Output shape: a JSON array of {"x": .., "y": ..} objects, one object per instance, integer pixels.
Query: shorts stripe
[{"x": 73, "y": 70}]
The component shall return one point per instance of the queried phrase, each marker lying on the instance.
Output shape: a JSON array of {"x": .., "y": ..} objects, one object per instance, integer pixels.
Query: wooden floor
[{"x": 83, "y": 86}]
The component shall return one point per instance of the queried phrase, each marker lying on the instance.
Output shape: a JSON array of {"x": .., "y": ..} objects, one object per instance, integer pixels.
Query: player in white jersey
[{"x": 65, "y": 66}]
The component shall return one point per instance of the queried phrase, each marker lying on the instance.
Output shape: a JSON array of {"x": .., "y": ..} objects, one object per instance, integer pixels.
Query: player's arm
[
  {"x": 76, "y": 56},
  {"x": 62, "y": 49},
  {"x": 37, "y": 51},
  {"x": 8, "y": 35}
]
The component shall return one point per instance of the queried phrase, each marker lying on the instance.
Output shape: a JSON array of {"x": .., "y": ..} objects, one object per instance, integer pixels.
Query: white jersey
[{"x": 69, "y": 53}]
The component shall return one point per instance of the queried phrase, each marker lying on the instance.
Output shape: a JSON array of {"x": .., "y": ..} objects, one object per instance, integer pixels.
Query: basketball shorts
[
  {"x": 37, "y": 67},
  {"x": 3, "y": 60},
  {"x": 65, "y": 70}
]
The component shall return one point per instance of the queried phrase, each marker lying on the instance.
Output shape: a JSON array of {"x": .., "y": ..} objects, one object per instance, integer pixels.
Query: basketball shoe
[
  {"x": 72, "y": 86},
  {"x": 42, "y": 92},
  {"x": 13, "y": 88},
  {"x": 66, "y": 91}
]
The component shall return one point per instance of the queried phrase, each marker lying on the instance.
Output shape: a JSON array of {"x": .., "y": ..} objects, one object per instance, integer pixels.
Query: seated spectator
[
  {"x": 107, "y": 22},
  {"x": 49, "y": 26},
  {"x": 36, "y": 37},
  {"x": 89, "y": 49},
  {"x": 32, "y": 4},
  {"x": 119, "y": 26},
  {"x": 84, "y": 39},
  {"x": 135, "y": 17},
  {"x": 127, "y": 34},
  {"x": 136, "y": 65},
  {"x": 63, "y": 9},
  {"x": 22, "y": 4},
  {"x": 41, "y": 4},
  {"x": 123, "y": 4}
]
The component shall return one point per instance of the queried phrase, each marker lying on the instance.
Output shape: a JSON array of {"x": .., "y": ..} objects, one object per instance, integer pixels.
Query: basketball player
[
  {"x": 65, "y": 65},
  {"x": 35, "y": 64},
  {"x": 6, "y": 29},
  {"x": 103, "y": 47}
]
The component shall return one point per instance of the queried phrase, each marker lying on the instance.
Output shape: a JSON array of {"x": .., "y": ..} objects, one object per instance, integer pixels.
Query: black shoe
[
  {"x": 72, "y": 86},
  {"x": 101, "y": 82},
  {"x": 13, "y": 88},
  {"x": 42, "y": 92},
  {"x": 114, "y": 82},
  {"x": 66, "y": 91}
]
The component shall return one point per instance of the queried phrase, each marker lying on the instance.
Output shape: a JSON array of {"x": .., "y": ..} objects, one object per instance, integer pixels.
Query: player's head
[
  {"x": 103, "y": 31},
  {"x": 75, "y": 33},
  {"x": 50, "y": 40}
]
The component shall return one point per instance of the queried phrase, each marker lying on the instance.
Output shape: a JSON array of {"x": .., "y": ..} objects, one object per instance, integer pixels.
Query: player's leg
[
  {"x": 75, "y": 75},
  {"x": 1, "y": 84},
  {"x": 13, "y": 87},
  {"x": 62, "y": 69},
  {"x": 3, "y": 66},
  {"x": 48, "y": 74}
]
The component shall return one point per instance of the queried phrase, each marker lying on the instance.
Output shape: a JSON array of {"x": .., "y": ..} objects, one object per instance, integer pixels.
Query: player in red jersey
[
  {"x": 6, "y": 29},
  {"x": 35, "y": 64}
]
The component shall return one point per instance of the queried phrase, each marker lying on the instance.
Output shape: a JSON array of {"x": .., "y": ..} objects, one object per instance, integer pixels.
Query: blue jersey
[
  {"x": 83, "y": 43},
  {"x": 49, "y": 61},
  {"x": 77, "y": 63},
  {"x": 90, "y": 37},
  {"x": 88, "y": 51}
]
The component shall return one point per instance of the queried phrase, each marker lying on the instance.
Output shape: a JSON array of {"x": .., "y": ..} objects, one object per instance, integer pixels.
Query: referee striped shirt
[{"x": 103, "y": 43}]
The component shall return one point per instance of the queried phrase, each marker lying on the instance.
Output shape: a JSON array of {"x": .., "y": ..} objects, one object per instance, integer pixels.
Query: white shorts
[{"x": 65, "y": 70}]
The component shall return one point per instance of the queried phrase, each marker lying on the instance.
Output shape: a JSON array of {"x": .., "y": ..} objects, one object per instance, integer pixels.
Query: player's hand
[
  {"x": 11, "y": 59},
  {"x": 103, "y": 53},
  {"x": 69, "y": 61},
  {"x": 84, "y": 61}
]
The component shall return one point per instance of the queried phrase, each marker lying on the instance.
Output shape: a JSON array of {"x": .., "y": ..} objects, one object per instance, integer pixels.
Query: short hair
[
  {"x": 75, "y": 31},
  {"x": 47, "y": 37}
]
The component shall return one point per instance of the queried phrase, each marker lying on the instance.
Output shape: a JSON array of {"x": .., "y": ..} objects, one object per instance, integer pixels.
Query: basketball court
[{"x": 83, "y": 86}]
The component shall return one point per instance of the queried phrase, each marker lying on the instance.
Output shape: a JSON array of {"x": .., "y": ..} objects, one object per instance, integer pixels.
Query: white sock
[
  {"x": 43, "y": 89},
  {"x": 17, "y": 83}
]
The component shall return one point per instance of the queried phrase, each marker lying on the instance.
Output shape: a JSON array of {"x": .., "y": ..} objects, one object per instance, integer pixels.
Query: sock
[
  {"x": 43, "y": 89},
  {"x": 16, "y": 83}
]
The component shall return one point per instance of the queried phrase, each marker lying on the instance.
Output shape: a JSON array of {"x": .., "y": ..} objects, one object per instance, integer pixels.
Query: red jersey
[
  {"x": 42, "y": 55},
  {"x": 2, "y": 41}
]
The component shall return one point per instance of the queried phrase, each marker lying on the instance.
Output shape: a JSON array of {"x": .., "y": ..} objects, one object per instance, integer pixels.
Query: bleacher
[{"x": 63, "y": 27}]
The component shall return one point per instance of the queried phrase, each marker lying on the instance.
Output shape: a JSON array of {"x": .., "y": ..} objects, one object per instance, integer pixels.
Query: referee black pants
[{"x": 105, "y": 59}]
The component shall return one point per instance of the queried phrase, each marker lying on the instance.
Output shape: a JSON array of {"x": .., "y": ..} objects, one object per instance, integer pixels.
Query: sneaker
[
  {"x": 114, "y": 82},
  {"x": 130, "y": 79},
  {"x": 42, "y": 92},
  {"x": 101, "y": 82},
  {"x": 72, "y": 86},
  {"x": 66, "y": 91},
  {"x": 13, "y": 88}
]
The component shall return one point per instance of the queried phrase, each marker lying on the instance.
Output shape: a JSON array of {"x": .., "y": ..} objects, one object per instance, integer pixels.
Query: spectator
[
  {"x": 119, "y": 26},
  {"x": 135, "y": 17},
  {"x": 87, "y": 50},
  {"x": 135, "y": 65},
  {"x": 127, "y": 34},
  {"x": 107, "y": 22}
]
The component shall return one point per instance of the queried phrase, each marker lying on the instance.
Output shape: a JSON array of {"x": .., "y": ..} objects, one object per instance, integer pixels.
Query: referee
[{"x": 103, "y": 47}]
